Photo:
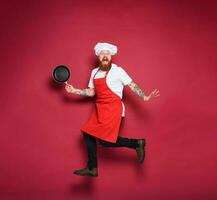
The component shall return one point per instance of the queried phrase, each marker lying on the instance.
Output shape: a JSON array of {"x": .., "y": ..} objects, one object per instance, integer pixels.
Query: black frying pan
[{"x": 61, "y": 74}]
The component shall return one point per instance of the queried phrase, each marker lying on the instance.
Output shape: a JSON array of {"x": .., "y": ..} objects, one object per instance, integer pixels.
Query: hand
[
  {"x": 153, "y": 94},
  {"x": 69, "y": 88}
]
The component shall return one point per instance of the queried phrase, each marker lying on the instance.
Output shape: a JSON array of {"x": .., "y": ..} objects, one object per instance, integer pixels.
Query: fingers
[
  {"x": 155, "y": 93},
  {"x": 68, "y": 87},
  {"x": 67, "y": 83}
]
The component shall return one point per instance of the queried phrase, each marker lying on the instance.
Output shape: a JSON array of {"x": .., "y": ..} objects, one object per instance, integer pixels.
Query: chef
[{"x": 107, "y": 82}]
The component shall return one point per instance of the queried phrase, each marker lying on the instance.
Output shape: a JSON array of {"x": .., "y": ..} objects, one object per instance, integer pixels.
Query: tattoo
[
  {"x": 136, "y": 89},
  {"x": 84, "y": 92}
]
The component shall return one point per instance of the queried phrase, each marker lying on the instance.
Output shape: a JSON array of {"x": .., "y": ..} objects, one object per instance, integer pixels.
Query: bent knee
[{"x": 103, "y": 143}]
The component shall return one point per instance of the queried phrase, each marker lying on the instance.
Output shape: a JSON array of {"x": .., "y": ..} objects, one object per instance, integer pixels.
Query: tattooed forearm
[
  {"x": 136, "y": 89},
  {"x": 89, "y": 92}
]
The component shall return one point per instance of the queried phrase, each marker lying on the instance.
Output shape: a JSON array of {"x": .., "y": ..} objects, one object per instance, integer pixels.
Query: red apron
[{"x": 105, "y": 120}]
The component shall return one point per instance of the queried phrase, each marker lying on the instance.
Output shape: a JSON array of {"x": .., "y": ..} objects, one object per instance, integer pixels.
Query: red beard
[{"x": 104, "y": 66}]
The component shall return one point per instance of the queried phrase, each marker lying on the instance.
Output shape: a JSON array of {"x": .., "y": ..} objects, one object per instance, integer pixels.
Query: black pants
[{"x": 90, "y": 142}]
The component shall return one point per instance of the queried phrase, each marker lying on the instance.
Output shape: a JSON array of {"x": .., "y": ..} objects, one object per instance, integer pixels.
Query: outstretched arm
[
  {"x": 89, "y": 92},
  {"x": 136, "y": 89}
]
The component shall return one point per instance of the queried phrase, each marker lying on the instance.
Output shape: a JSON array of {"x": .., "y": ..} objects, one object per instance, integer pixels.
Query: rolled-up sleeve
[{"x": 125, "y": 78}]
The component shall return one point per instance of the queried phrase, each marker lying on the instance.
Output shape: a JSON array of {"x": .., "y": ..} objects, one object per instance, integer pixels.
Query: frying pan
[{"x": 61, "y": 73}]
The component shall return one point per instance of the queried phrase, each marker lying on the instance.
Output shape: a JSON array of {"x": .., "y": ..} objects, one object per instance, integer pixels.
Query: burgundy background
[{"x": 168, "y": 45}]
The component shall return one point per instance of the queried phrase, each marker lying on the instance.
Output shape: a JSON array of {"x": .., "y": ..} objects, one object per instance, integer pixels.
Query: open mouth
[{"x": 105, "y": 59}]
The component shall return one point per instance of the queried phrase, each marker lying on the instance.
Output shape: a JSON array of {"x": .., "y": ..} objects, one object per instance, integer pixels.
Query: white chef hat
[{"x": 105, "y": 46}]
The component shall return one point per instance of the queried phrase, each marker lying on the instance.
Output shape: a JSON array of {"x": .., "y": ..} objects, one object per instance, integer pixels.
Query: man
[{"x": 107, "y": 82}]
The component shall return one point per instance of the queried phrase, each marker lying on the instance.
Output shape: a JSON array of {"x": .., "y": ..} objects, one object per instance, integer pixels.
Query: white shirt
[{"x": 116, "y": 79}]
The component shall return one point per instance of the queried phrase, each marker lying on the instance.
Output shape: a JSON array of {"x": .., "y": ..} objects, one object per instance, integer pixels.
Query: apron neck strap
[{"x": 105, "y": 73}]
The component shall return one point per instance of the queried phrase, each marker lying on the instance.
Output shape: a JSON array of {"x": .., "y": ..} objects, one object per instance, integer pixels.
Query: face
[{"x": 105, "y": 59}]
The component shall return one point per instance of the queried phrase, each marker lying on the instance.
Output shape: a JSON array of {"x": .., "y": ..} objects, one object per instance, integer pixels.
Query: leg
[
  {"x": 91, "y": 169},
  {"x": 137, "y": 144},
  {"x": 90, "y": 142},
  {"x": 121, "y": 142}
]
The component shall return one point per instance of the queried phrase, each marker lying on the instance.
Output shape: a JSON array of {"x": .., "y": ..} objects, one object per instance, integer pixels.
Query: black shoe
[
  {"x": 140, "y": 150},
  {"x": 86, "y": 172}
]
